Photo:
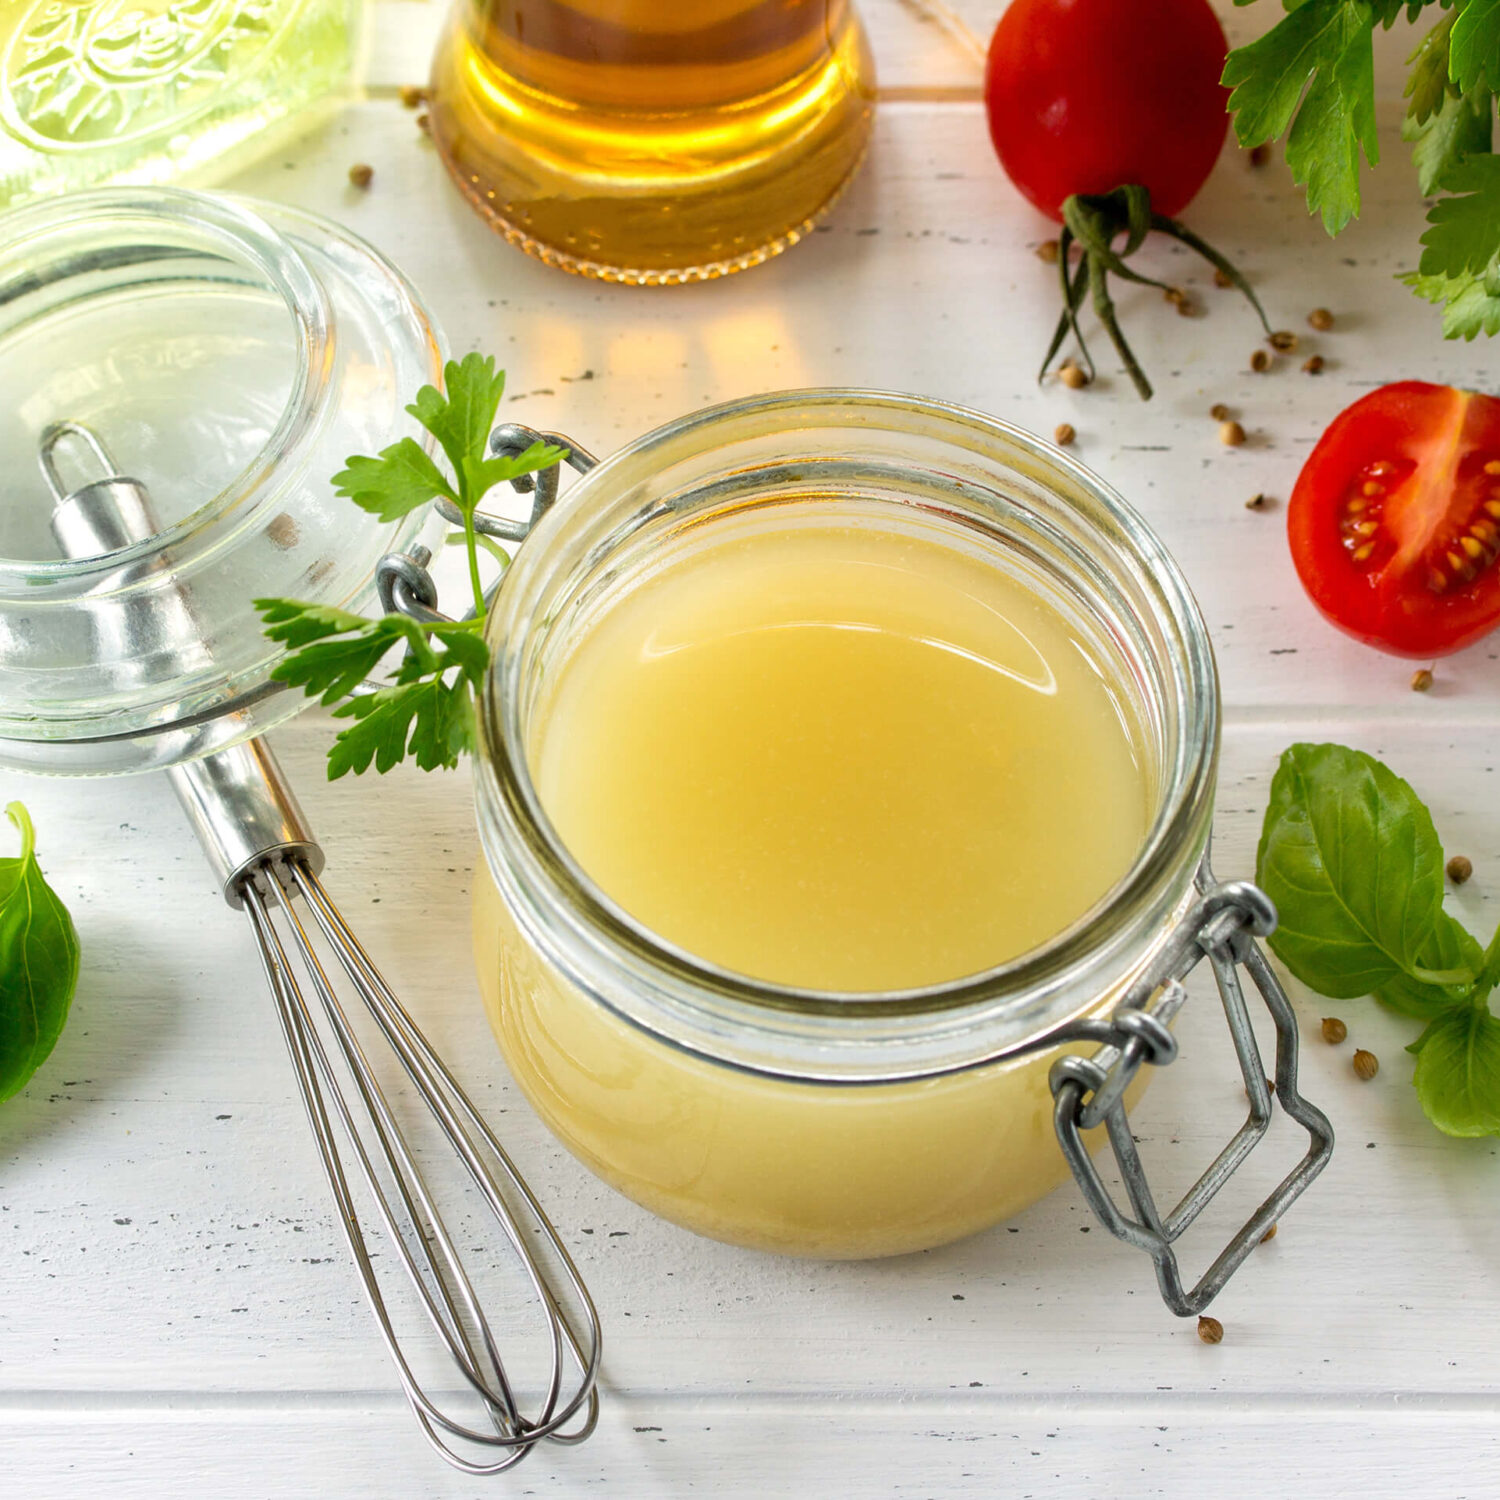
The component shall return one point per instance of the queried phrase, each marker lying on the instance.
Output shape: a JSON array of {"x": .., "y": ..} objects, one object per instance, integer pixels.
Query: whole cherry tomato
[
  {"x": 1395, "y": 519},
  {"x": 1085, "y": 96}
]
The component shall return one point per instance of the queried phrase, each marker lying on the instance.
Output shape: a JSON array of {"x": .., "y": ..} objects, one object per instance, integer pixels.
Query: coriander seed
[
  {"x": 1366, "y": 1065},
  {"x": 1210, "y": 1330},
  {"x": 1064, "y": 434},
  {"x": 1260, "y": 155},
  {"x": 1258, "y": 502},
  {"x": 1260, "y": 361},
  {"x": 1421, "y": 679},
  {"x": 1073, "y": 376},
  {"x": 1231, "y": 434},
  {"x": 424, "y": 123},
  {"x": 1313, "y": 364},
  {"x": 1048, "y": 251},
  {"x": 1283, "y": 340},
  {"x": 411, "y": 95},
  {"x": 1222, "y": 278},
  {"x": 1334, "y": 1030},
  {"x": 1219, "y": 412},
  {"x": 361, "y": 174},
  {"x": 1270, "y": 1234},
  {"x": 1459, "y": 868},
  {"x": 1321, "y": 319}
]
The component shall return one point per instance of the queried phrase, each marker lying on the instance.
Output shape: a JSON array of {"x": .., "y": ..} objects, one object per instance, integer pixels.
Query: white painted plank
[{"x": 965, "y": 1448}]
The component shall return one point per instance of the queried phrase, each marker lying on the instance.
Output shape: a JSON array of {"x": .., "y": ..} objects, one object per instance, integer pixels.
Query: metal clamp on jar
[{"x": 855, "y": 1124}]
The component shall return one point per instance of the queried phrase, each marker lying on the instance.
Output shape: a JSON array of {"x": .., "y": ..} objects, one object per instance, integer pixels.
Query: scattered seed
[
  {"x": 1321, "y": 319},
  {"x": 1222, "y": 278},
  {"x": 1366, "y": 1065},
  {"x": 1334, "y": 1031},
  {"x": 1259, "y": 502},
  {"x": 361, "y": 174},
  {"x": 1187, "y": 308},
  {"x": 424, "y": 123},
  {"x": 1219, "y": 412},
  {"x": 1064, "y": 434},
  {"x": 1073, "y": 376},
  {"x": 1421, "y": 679},
  {"x": 1260, "y": 361},
  {"x": 1210, "y": 1330},
  {"x": 412, "y": 95},
  {"x": 1313, "y": 364},
  {"x": 1048, "y": 252},
  {"x": 1231, "y": 434},
  {"x": 1283, "y": 340},
  {"x": 1260, "y": 155},
  {"x": 1270, "y": 1234},
  {"x": 1459, "y": 868}
]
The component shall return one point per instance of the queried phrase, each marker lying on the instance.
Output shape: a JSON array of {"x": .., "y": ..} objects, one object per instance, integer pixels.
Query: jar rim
[
  {"x": 1171, "y": 847},
  {"x": 242, "y": 235}
]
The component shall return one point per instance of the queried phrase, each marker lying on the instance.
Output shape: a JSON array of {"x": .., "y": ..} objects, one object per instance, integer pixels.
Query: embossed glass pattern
[{"x": 151, "y": 90}]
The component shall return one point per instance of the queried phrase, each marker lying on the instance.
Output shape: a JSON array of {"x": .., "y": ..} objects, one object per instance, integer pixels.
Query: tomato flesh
[
  {"x": 1085, "y": 96},
  {"x": 1395, "y": 519}
]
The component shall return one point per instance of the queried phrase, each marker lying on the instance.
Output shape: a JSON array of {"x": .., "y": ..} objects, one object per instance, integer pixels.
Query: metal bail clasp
[
  {"x": 406, "y": 586},
  {"x": 1222, "y": 927}
]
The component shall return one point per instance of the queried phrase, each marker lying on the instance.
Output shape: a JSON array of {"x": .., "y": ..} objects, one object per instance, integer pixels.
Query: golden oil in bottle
[{"x": 650, "y": 142}]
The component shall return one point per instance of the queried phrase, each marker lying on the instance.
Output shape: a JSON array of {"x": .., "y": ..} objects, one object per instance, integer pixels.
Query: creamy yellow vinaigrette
[
  {"x": 842, "y": 759},
  {"x": 834, "y": 757}
]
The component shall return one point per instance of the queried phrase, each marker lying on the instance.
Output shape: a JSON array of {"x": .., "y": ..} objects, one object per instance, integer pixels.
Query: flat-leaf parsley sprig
[
  {"x": 1311, "y": 77},
  {"x": 425, "y": 709}
]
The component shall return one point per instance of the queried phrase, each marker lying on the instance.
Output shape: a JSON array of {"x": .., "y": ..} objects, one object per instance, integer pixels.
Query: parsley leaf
[
  {"x": 425, "y": 708},
  {"x": 1465, "y": 229},
  {"x": 38, "y": 962},
  {"x": 1312, "y": 77},
  {"x": 1470, "y": 307},
  {"x": 1475, "y": 44},
  {"x": 1458, "y": 126},
  {"x": 395, "y": 484}
]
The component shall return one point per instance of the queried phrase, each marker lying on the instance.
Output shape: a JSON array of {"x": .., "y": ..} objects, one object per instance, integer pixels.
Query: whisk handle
[{"x": 244, "y": 814}]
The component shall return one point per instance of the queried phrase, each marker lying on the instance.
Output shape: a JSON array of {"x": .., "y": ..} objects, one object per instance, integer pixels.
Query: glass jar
[
  {"x": 222, "y": 359},
  {"x": 826, "y": 1124},
  {"x": 651, "y": 143},
  {"x": 95, "y": 91}
]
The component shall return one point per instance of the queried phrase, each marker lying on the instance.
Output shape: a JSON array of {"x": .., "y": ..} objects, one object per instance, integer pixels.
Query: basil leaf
[
  {"x": 1451, "y": 948},
  {"x": 38, "y": 962},
  {"x": 1458, "y": 1071},
  {"x": 1349, "y": 855}
]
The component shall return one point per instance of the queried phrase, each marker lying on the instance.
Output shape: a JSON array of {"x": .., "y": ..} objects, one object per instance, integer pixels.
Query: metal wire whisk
[{"x": 268, "y": 865}]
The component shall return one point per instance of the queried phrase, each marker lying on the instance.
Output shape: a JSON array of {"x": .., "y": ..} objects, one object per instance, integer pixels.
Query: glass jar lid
[{"x": 219, "y": 359}]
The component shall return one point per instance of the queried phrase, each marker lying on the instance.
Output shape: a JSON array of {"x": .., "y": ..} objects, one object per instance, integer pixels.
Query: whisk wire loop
[{"x": 409, "y": 1215}]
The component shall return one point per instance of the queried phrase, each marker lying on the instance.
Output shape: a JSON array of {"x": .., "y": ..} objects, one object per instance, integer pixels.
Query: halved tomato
[{"x": 1395, "y": 520}]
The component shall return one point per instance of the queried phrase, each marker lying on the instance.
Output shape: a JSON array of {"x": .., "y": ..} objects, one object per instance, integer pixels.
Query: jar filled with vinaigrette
[
  {"x": 652, "y": 143},
  {"x": 847, "y": 760}
]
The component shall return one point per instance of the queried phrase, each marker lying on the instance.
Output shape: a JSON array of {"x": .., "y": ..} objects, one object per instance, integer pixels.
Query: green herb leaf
[
  {"x": 1349, "y": 855},
  {"x": 1428, "y": 83},
  {"x": 1463, "y": 233},
  {"x": 1451, "y": 949},
  {"x": 1312, "y": 77},
  {"x": 339, "y": 651},
  {"x": 1458, "y": 1071},
  {"x": 1474, "y": 48},
  {"x": 482, "y": 474},
  {"x": 38, "y": 962},
  {"x": 431, "y": 719},
  {"x": 1469, "y": 305},
  {"x": 1460, "y": 126},
  {"x": 401, "y": 480},
  {"x": 461, "y": 419}
]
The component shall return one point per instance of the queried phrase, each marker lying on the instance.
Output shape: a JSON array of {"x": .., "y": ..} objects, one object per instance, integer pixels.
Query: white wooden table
[{"x": 178, "y": 1317}]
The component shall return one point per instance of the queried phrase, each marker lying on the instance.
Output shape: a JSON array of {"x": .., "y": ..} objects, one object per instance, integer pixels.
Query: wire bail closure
[
  {"x": 406, "y": 586},
  {"x": 1222, "y": 926}
]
